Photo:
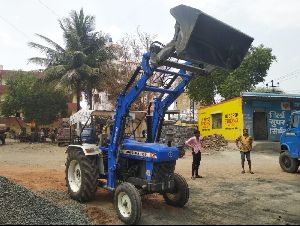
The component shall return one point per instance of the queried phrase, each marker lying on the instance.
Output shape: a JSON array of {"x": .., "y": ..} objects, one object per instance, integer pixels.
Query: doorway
[{"x": 260, "y": 129}]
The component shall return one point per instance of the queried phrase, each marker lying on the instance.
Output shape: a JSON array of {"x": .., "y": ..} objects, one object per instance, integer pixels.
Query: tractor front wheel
[
  {"x": 81, "y": 175},
  {"x": 128, "y": 203},
  {"x": 181, "y": 193}
]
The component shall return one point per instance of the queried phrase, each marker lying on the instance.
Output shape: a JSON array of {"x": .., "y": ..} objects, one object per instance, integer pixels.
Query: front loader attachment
[{"x": 202, "y": 39}]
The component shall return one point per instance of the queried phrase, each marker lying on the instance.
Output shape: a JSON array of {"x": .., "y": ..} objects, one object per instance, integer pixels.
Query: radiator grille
[{"x": 163, "y": 171}]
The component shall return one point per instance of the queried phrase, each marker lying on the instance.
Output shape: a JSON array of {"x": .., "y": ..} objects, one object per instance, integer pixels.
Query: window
[
  {"x": 217, "y": 121},
  {"x": 295, "y": 121}
]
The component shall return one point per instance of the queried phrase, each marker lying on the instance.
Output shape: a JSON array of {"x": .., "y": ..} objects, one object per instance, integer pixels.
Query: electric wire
[
  {"x": 15, "y": 27},
  {"x": 51, "y": 10},
  {"x": 287, "y": 76}
]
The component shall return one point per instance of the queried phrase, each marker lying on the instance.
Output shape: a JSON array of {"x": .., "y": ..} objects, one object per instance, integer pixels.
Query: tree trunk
[
  {"x": 78, "y": 97},
  {"x": 90, "y": 99}
]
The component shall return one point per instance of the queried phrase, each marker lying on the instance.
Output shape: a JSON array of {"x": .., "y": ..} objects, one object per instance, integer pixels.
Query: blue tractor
[
  {"x": 289, "y": 158},
  {"x": 130, "y": 168}
]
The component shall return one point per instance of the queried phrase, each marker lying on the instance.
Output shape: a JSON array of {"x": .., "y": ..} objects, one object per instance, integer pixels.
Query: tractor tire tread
[
  {"x": 135, "y": 197},
  {"x": 89, "y": 171},
  {"x": 294, "y": 163},
  {"x": 181, "y": 183}
]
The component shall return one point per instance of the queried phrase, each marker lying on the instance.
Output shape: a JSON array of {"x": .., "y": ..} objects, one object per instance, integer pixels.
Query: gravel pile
[{"x": 21, "y": 206}]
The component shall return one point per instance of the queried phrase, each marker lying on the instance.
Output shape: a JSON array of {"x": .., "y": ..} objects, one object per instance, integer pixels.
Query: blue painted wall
[{"x": 277, "y": 113}]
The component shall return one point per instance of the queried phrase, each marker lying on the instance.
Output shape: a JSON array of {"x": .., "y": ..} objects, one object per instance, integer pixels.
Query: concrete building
[
  {"x": 101, "y": 101},
  {"x": 184, "y": 104},
  {"x": 265, "y": 115}
]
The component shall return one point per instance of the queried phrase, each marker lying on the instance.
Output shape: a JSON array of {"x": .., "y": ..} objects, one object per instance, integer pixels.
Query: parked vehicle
[
  {"x": 23, "y": 136},
  {"x": 63, "y": 136},
  {"x": 289, "y": 159}
]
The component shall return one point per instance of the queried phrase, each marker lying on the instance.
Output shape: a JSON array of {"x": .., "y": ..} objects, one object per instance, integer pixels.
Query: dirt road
[{"x": 223, "y": 196}]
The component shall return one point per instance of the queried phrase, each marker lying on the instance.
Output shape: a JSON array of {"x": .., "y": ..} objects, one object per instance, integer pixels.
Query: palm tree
[{"x": 78, "y": 65}]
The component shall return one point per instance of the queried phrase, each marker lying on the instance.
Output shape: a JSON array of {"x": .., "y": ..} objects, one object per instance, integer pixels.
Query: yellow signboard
[{"x": 225, "y": 118}]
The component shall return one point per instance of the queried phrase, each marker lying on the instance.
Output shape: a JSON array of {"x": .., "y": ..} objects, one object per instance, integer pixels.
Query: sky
[{"x": 273, "y": 23}]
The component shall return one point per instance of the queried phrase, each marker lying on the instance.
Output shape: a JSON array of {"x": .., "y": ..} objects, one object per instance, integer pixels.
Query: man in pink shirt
[{"x": 195, "y": 144}]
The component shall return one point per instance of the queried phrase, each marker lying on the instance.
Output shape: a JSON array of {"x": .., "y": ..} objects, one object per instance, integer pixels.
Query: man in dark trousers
[
  {"x": 244, "y": 143},
  {"x": 195, "y": 144}
]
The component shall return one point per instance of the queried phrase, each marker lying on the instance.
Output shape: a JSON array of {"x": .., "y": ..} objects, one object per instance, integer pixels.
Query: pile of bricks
[
  {"x": 180, "y": 134},
  {"x": 214, "y": 142}
]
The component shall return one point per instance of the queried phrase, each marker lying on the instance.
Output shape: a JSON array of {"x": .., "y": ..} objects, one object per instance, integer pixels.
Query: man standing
[
  {"x": 195, "y": 144},
  {"x": 245, "y": 148}
]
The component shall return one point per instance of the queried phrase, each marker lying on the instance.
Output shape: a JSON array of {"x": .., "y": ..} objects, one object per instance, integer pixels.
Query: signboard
[
  {"x": 277, "y": 122},
  {"x": 231, "y": 121},
  {"x": 205, "y": 123}
]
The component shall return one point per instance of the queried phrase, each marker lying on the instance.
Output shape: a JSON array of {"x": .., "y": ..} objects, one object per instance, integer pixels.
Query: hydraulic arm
[
  {"x": 125, "y": 100},
  {"x": 196, "y": 41}
]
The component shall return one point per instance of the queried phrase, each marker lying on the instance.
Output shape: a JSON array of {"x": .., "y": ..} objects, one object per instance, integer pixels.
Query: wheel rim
[
  {"x": 74, "y": 176},
  {"x": 287, "y": 162},
  {"x": 173, "y": 196},
  {"x": 124, "y": 204}
]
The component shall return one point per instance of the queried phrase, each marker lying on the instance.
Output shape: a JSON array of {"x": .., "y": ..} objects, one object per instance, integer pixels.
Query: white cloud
[
  {"x": 6, "y": 40},
  {"x": 275, "y": 14}
]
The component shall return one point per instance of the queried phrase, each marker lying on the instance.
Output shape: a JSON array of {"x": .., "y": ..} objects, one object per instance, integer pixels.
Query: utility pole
[
  {"x": 272, "y": 86},
  {"x": 192, "y": 109}
]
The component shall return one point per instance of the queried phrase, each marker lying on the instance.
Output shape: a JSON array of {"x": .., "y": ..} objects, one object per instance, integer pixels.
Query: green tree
[
  {"x": 229, "y": 84},
  {"x": 48, "y": 104},
  {"x": 35, "y": 100},
  {"x": 78, "y": 66},
  {"x": 20, "y": 86},
  {"x": 202, "y": 89}
]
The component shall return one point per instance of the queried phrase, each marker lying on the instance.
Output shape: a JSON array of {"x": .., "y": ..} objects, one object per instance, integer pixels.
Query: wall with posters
[
  {"x": 261, "y": 114},
  {"x": 277, "y": 115},
  {"x": 225, "y": 118}
]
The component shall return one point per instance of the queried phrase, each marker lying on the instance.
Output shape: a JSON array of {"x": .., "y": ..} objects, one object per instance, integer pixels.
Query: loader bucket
[{"x": 204, "y": 39}]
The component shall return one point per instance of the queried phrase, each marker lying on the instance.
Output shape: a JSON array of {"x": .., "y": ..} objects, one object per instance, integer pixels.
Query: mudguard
[{"x": 88, "y": 149}]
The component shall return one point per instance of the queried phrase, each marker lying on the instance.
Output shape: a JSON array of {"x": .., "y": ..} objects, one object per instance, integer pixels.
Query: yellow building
[
  {"x": 225, "y": 118},
  {"x": 264, "y": 115}
]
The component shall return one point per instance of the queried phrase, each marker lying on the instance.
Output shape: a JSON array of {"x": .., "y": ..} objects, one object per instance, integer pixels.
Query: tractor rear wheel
[
  {"x": 128, "y": 203},
  {"x": 287, "y": 163},
  {"x": 181, "y": 193},
  {"x": 81, "y": 175}
]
